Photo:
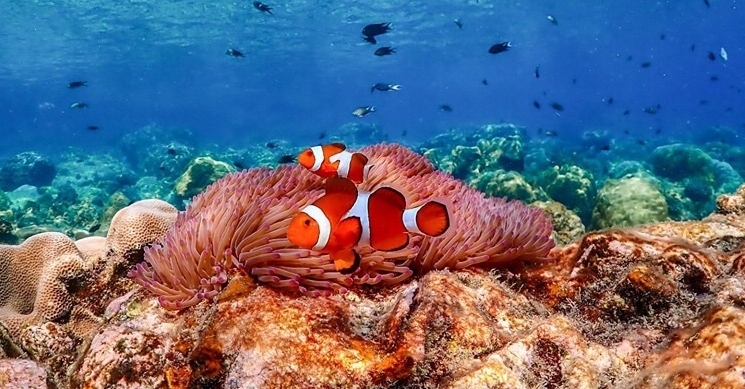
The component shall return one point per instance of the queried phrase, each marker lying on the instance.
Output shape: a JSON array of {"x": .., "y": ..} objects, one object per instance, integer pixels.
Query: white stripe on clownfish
[
  {"x": 345, "y": 162},
  {"x": 324, "y": 225},
  {"x": 409, "y": 219},
  {"x": 317, "y": 158},
  {"x": 360, "y": 210}
]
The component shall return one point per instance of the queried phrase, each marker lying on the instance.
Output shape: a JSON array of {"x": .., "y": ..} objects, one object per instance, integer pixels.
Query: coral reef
[
  {"x": 201, "y": 172},
  {"x": 642, "y": 308},
  {"x": 679, "y": 161},
  {"x": 567, "y": 225},
  {"x": 510, "y": 184},
  {"x": 650, "y": 307},
  {"x": 27, "y": 168},
  {"x": 627, "y": 202},
  {"x": 572, "y": 186}
]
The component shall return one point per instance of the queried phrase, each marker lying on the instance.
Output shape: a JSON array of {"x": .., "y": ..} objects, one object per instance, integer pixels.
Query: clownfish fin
[
  {"x": 385, "y": 210},
  {"x": 346, "y": 261},
  {"x": 336, "y": 185},
  {"x": 333, "y": 148},
  {"x": 430, "y": 219},
  {"x": 348, "y": 232},
  {"x": 358, "y": 168}
]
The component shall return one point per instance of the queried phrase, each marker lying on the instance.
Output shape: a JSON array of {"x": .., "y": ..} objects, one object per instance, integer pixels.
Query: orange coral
[{"x": 241, "y": 221}]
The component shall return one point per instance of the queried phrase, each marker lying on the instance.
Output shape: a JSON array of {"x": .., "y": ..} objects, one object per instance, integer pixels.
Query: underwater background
[{"x": 623, "y": 112}]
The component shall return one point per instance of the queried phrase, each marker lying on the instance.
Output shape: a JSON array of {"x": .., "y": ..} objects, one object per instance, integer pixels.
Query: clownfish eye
[{"x": 307, "y": 222}]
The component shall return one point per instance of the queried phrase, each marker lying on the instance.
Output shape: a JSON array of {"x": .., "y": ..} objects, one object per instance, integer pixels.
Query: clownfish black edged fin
[
  {"x": 346, "y": 261},
  {"x": 433, "y": 219}
]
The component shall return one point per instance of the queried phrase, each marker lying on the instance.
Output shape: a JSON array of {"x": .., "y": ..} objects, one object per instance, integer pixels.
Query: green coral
[
  {"x": 510, "y": 184},
  {"x": 572, "y": 186},
  {"x": 567, "y": 225},
  {"x": 629, "y": 201},
  {"x": 201, "y": 172},
  {"x": 679, "y": 161}
]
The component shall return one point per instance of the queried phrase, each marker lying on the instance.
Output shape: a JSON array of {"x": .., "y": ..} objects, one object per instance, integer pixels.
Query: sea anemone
[{"x": 241, "y": 222}]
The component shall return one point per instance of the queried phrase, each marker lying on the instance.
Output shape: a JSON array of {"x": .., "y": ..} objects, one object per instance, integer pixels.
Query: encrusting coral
[{"x": 241, "y": 221}]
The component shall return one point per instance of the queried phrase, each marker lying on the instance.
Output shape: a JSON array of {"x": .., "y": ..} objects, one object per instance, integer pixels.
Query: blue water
[{"x": 163, "y": 62}]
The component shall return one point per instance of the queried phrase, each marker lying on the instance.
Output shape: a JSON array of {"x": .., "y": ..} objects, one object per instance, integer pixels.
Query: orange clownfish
[
  {"x": 345, "y": 218},
  {"x": 333, "y": 160}
]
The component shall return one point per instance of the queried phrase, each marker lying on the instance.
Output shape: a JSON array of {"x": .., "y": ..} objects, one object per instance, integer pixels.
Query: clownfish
[
  {"x": 333, "y": 160},
  {"x": 345, "y": 218}
]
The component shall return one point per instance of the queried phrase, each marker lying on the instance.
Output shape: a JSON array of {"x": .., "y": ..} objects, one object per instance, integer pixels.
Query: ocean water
[
  {"x": 602, "y": 87},
  {"x": 306, "y": 68}
]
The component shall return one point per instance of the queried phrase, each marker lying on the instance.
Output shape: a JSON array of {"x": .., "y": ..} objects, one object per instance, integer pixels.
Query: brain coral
[
  {"x": 35, "y": 275},
  {"x": 241, "y": 220}
]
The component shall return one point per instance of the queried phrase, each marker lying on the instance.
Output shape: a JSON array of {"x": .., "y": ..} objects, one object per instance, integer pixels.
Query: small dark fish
[
  {"x": 605, "y": 147},
  {"x": 271, "y": 145},
  {"x": 385, "y": 50},
  {"x": 171, "y": 151},
  {"x": 703, "y": 102},
  {"x": 484, "y": 81},
  {"x": 263, "y": 7},
  {"x": 626, "y": 112},
  {"x": 551, "y": 133},
  {"x": 537, "y": 71},
  {"x": 712, "y": 56},
  {"x": 610, "y": 100},
  {"x": 234, "y": 53},
  {"x": 403, "y": 133},
  {"x": 383, "y": 87},
  {"x": 370, "y": 39},
  {"x": 372, "y": 30},
  {"x": 714, "y": 78},
  {"x": 286, "y": 159},
  {"x": 77, "y": 84},
  {"x": 446, "y": 108},
  {"x": 552, "y": 19},
  {"x": 362, "y": 111},
  {"x": 658, "y": 131},
  {"x": 646, "y": 64},
  {"x": 499, "y": 47},
  {"x": 729, "y": 109},
  {"x": 239, "y": 164},
  {"x": 629, "y": 58},
  {"x": 693, "y": 47},
  {"x": 92, "y": 128},
  {"x": 641, "y": 142},
  {"x": 557, "y": 106},
  {"x": 322, "y": 135},
  {"x": 662, "y": 37},
  {"x": 79, "y": 105},
  {"x": 536, "y": 104},
  {"x": 458, "y": 23},
  {"x": 94, "y": 228},
  {"x": 652, "y": 110},
  {"x": 626, "y": 132},
  {"x": 574, "y": 81},
  {"x": 708, "y": 4}
]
